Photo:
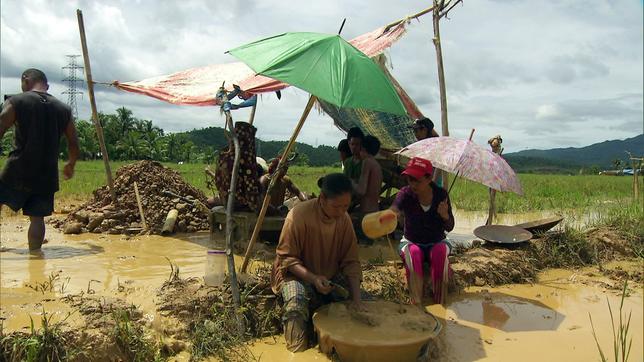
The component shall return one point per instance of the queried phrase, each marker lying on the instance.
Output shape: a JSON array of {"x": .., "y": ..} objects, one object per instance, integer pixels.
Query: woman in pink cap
[{"x": 428, "y": 216}]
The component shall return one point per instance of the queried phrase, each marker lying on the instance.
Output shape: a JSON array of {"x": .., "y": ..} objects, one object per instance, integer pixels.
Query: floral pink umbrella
[{"x": 466, "y": 159}]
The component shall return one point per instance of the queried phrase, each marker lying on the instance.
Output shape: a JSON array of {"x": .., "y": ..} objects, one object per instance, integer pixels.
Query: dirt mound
[{"x": 101, "y": 215}]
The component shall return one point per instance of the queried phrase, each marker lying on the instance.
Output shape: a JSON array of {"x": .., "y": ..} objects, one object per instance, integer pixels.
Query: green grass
[
  {"x": 542, "y": 192},
  {"x": 47, "y": 343},
  {"x": 546, "y": 192},
  {"x": 622, "y": 341},
  {"x": 133, "y": 340}
]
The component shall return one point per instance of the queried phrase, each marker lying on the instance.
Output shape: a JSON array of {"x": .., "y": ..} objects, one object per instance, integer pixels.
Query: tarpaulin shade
[{"x": 198, "y": 86}]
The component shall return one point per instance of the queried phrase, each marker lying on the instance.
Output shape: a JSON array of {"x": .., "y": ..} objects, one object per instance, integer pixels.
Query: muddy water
[{"x": 545, "y": 321}]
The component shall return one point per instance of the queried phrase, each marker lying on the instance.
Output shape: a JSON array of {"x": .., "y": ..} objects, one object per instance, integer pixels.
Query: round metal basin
[{"x": 502, "y": 234}]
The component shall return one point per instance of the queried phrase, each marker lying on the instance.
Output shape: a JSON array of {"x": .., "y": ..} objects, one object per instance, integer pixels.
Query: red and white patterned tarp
[{"x": 198, "y": 86}]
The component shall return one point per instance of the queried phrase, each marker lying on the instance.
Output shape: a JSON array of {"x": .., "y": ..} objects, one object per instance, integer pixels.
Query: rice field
[{"x": 541, "y": 192}]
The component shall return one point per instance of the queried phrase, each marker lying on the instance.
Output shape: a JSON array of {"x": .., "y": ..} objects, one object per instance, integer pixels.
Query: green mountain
[
  {"x": 602, "y": 155},
  {"x": 313, "y": 156},
  {"x": 558, "y": 160}
]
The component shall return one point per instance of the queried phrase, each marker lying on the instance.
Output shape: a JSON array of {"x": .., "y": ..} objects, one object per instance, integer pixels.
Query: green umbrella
[{"x": 324, "y": 65}]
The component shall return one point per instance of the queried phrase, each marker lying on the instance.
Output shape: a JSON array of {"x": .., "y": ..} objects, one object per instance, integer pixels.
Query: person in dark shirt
[
  {"x": 428, "y": 216},
  {"x": 29, "y": 178},
  {"x": 352, "y": 165}
]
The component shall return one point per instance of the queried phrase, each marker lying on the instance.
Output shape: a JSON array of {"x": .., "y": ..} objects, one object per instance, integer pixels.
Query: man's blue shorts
[{"x": 38, "y": 205}]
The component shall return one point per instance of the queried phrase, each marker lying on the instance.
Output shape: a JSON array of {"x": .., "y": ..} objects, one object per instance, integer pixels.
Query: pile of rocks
[{"x": 101, "y": 215}]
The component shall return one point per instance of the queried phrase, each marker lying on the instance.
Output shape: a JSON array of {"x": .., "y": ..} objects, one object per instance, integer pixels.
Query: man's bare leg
[{"x": 36, "y": 233}]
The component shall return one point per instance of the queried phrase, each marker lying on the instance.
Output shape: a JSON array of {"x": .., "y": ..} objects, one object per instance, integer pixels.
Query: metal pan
[
  {"x": 542, "y": 225},
  {"x": 502, "y": 234}
]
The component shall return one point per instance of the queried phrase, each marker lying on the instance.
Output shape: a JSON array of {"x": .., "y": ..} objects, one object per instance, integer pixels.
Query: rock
[
  {"x": 181, "y": 226},
  {"x": 191, "y": 229},
  {"x": 72, "y": 228},
  {"x": 95, "y": 219},
  {"x": 174, "y": 201},
  {"x": 194, "y": 223},
  {"x": 82, "y": 216},
  {"x": 181, "y": 206},
  {"x": 479, "y": 282}
]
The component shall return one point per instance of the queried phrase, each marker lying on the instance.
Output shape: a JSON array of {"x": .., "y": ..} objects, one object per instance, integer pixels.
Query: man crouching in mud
[
  {"x": 30, "y": 175},
  {"x": 317, "y": 246}
]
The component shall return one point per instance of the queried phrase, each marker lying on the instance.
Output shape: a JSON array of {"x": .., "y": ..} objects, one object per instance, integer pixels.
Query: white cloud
[{"x": 571, "y": 66}]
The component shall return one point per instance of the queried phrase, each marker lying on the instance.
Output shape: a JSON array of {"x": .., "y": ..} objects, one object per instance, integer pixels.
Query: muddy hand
[
  {"x": 443, "y": 210},
  {"x": 322, "y": 284}
]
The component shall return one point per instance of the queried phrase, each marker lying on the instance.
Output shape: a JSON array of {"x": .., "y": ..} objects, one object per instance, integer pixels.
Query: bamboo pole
[
  {"x": 280, "y": 165},
  {"x": 437, "y": 8},
  {"x": 92, "y": 101},
  {"x": 234, "y": 285},
  {"x": 138, "y": 201},
  {"x": 252, "y": 113},
  {"x": 491, "y": 212}
]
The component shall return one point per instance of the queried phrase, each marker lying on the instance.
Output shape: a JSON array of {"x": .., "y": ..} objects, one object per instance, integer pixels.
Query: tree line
[{"x": 129, "y": 138}]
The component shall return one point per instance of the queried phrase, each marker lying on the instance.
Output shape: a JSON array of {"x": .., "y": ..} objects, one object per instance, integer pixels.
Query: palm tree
[
  {"x": 131, "y": 146},
  {"x": 87, "y": 140},
  {"x": 125, "y": 120}
]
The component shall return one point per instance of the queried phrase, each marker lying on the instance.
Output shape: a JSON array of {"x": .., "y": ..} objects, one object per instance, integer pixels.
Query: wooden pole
[
  {"x": 437, "y": 8},
  {"x": 491, "y": 212},
  {"x": 138, "y": 201},
  {"x": 92, "y": 101},
  {"x": 252, "y": 113},
  {"x": 280, "y": 165},
  {"x": 232, "y": 273}
]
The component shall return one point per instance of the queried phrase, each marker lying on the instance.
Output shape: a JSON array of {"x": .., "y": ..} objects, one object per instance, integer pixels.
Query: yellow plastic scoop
[{"x": 379, "y": 223}]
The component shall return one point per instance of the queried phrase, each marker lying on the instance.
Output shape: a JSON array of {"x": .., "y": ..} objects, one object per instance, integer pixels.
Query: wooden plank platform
[{"x": 244, "y": 223}]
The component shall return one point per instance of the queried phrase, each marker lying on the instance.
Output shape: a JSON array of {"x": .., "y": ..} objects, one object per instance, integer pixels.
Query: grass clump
[
  {"x": 567, "y": 248},
  {"x": 47, "y": 343},
  {"x": 622, "y": 342},
  {"x": 132, "y": 339}
]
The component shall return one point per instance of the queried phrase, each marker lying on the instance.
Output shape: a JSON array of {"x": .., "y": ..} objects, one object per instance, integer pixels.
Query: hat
[
  {"x": 418, "y": 167},
  {"x": 423, "y": 122}
]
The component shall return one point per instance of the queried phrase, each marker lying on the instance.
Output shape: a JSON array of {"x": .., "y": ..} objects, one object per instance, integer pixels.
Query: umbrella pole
[
  {"x": 262, "y": 212},
  {"x": 455, "y": 177}
]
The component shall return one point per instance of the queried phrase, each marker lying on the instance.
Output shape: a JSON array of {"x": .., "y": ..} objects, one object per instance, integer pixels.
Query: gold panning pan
[{"x": 502, "y": 234}]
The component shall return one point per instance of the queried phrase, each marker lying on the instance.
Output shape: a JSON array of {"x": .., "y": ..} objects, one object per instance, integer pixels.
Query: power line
[{"x": 71, "y": 80}]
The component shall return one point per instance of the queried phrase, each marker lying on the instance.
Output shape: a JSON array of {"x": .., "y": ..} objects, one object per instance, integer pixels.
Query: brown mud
[{"x": 89, "y": 282}]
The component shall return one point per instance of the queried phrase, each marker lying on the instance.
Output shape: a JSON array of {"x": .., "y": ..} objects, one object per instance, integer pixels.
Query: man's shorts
[{"x": 38, "y": 205}]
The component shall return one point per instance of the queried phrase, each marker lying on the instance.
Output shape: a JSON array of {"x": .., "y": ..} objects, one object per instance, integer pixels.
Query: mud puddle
[{"x": 545, "y": 321}]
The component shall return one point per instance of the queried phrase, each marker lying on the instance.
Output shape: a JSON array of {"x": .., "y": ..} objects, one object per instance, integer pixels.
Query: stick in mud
[{"x": 138, "y": 201}]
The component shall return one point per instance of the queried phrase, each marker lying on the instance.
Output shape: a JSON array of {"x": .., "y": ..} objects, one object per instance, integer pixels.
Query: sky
[{"x": 546, "y": 74}]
